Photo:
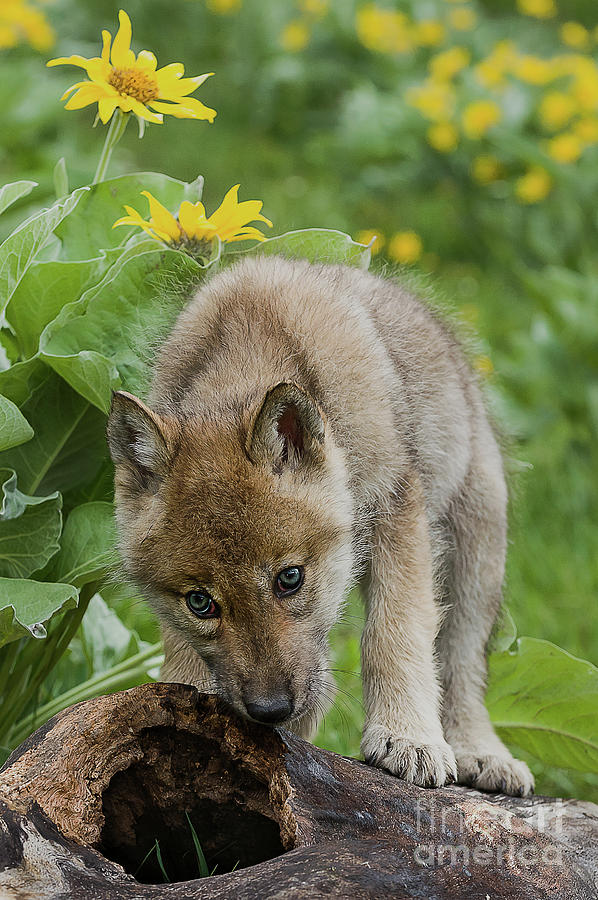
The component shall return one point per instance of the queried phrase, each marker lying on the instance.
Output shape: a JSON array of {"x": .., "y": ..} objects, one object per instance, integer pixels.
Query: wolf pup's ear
[
  {"x": 137, "y": 438},
  {"x": 287, "y": 430}
]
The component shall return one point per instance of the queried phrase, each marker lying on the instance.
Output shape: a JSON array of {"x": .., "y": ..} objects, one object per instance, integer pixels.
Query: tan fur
[{"x": 388, "y": 471}]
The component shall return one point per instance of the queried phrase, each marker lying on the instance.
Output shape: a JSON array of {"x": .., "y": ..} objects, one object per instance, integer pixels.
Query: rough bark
[{"x": 84, "y": 799}]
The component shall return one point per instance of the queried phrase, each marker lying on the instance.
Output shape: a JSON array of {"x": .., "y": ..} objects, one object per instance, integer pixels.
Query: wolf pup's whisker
[{"x": 309, "y": 425}]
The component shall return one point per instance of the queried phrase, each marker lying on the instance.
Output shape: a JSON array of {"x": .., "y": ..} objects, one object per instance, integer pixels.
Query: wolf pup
[{"x": 307, "y": 424}]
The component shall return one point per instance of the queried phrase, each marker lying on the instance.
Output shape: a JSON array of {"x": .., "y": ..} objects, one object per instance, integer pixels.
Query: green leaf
[
  {"x": 26, "y": 605},
  {"x": 88, "y": 548},
  {"x": 69, "y": 443},
  {"x": 110, "y": 334},
  {"x": 10, "y": 193},
  {"x": 29, "y": 528},
  {"x": 91, "y": 227},
  {"x": 204, "y": 870},
  {"x": 504, "y": 632},
  {"x": 316, "y": 245},
  {"x": 61, "y": 179},
  {"x": 45, "y": 289},
  {"x": 544, "y": 700},
  {"x": 14, "y": 427},
  {"x": 106, "y": 639},
  {"x": 21, "y": 248}
]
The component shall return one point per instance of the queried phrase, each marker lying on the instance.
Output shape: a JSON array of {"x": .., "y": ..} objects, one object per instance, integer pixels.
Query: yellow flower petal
[
  {"x": 106, "y": 107},
  {"x": 106, "y": 41},
  {"x": 147, "y": 59},
  {"x": 98, "y": 70},
  {"x": 162, "y": 218},
  {"x": 190, "y": 215},
  {"x": 145, "y": 226},
  {"x": 84, "y": 96},
  {"x": 122, "y": 55},
  {"x": 245, "y": 234},
  {"x": 74, "y": 60},
  {"x": 188, "y": 108},
  {"x": 173, "y": 88},
  {"x": 141, "y": 110}
]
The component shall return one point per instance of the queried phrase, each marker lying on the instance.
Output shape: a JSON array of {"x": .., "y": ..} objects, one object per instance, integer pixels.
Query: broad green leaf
[
  {"x": 109, "y": 335},
  {"x": 91, "y": 227},
  {"x": 544, "y": 700},
  {"x": 88, "y": 545},
  {"x": 316, "y": 245},
  {"x": 29, "y": 528},
  {"x": 13, "y": 501},
  {"x": 10, "y": 193},
  {"x": 106, "y": 639},
  {"x": 26, "y": 605},
  {"x": 69, "y": 443},
  {"x": 21, "y": 248},
  {"x": 45, "y": 289},
  {"x": 14, "y": 427}
]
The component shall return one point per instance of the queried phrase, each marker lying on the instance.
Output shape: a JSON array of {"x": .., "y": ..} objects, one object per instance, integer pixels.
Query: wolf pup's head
[{"x": 239, "y": 530}]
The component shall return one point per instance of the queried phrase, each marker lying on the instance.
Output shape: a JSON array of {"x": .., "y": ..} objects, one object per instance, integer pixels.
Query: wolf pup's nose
[{"x": 270, "y": 709}]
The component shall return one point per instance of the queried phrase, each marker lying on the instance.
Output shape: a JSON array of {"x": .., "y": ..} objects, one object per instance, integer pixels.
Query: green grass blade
[{"x": 204, "y": 871}]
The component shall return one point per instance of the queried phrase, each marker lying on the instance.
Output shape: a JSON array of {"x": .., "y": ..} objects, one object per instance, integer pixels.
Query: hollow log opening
[{"x": 180, "y": 774}]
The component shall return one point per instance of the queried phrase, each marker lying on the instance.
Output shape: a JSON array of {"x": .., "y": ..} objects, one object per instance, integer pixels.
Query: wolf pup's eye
[
  {"x": 201, "y": 604},
  {"x": 288, "y": 581}
]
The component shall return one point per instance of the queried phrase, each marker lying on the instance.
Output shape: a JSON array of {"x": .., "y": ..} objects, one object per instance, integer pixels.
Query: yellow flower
[
  {"x": 443, "y": 136},
  {"x": 534, "y": 186},
  {"x": 295, "y": 36},
  {"x": 223, "y": 7},
  {"x": 486, "y": 169},
  {"x": 449, "y": 63},
  {"x": 566, "y": 148},
  {"x": 586, "y": 130},
  {"x": 492, "y": 70},
  {"x": 434, "y": 99},
  {"x": 365, "y": 237},
  {"x": 479, "y": 117},
  {"x": 230, "y": 222},
  {"x": 575, "y": 35},
  {"x": 540, "y": 9},
  {"x": 405, "y": 247},
  {"x": 20, "y": 21},
  {"x": 315, "y": 8},
  {"x": 429, "y": 33},
  {"x": 384, "y": 30},
  {"x": 534, "y": 70},
  {"x": 556, "y": 109},
  {"x": 133, "y": 84},
  {"x": 463, "y": 18}
]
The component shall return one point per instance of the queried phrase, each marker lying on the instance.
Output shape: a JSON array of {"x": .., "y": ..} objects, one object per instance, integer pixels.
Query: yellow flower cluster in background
[
  {"x": 403, "y": 247},
  {"x": 540, "y": 9},
  {"x": 464, "y": 96},
  {"x": 20, "y": 22},
  {"x": 224, "y": 7}
]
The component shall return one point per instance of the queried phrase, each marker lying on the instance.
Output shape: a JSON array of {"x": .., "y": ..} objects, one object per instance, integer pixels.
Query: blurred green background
[{"x": 465, "y": 135}]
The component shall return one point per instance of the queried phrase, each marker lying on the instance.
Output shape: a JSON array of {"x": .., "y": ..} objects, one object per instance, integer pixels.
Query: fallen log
[{"x": 85, "y": 799}]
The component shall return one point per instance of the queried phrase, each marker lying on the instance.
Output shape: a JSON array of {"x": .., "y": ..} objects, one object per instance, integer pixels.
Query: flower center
[{"x": 134, "y": 83}]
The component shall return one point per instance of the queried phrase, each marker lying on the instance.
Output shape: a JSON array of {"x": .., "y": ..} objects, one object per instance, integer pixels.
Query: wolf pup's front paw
[
  {"x": 489, "y": 771},
  {"x": 424, "y": 764}
]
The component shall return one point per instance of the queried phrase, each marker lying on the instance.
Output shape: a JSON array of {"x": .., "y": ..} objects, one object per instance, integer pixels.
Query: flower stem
[{"x": 118, "y": 123}]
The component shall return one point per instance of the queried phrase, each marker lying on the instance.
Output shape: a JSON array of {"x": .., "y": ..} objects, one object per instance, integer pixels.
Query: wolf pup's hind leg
[{"x": 475, "y": 568}]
